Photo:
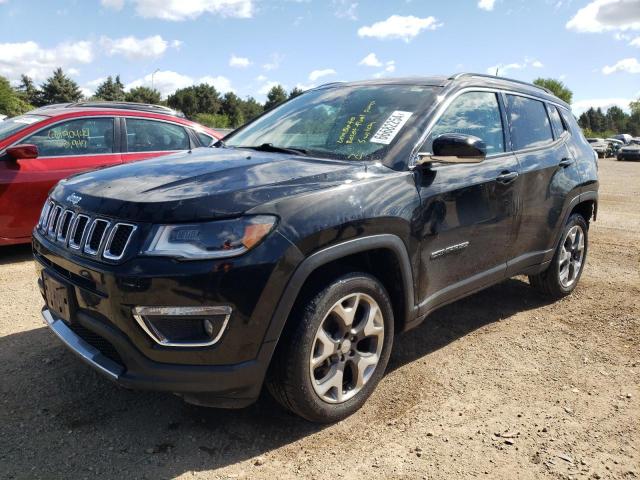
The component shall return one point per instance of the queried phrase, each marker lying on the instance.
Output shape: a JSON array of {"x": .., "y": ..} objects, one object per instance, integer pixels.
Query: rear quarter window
[{"x": 529, "y": 122}]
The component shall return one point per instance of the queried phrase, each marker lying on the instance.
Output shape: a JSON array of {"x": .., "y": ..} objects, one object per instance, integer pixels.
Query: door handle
[
  {"x": 507, "y": 177},
  {"x": 565, "y": 162}
]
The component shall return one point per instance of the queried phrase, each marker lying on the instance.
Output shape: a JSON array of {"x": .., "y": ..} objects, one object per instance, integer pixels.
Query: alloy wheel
[{"x": 571, "y": 256}]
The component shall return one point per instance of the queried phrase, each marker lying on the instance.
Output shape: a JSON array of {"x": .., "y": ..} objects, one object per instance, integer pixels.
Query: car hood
[{"x": 203, "y": 184}]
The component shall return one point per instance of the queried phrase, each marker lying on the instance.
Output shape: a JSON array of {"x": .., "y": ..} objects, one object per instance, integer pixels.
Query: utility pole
[{"x": 152, "y": 75}]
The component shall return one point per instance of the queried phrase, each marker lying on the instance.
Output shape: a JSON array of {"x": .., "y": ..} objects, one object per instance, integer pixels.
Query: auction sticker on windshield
[{"x": 391, "y": 126}]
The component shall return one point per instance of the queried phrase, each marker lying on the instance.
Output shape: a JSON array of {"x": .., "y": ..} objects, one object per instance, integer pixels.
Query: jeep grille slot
[
  {"x": 118, "y": 240},
  {"x": 44, "y": 215},
  {"x": 53, "y": 220},
  {"x": 95, "y": 236},
  {"x": 77, "y": 231},
  {"x": 65, "y": 222}
]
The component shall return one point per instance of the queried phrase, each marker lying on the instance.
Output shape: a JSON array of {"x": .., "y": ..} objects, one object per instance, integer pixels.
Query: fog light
[
  {"x": 208, "y": 327},
  {"x": 183, "y": 326}
]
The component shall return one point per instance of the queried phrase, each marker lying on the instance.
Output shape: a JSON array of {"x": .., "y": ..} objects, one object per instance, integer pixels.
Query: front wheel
[
  {"x": 565, "y": 269},
  {"x": 331, "y": 359}
]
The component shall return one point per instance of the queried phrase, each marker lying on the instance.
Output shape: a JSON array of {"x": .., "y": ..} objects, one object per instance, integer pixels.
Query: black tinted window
[
  {"x": 82, "y": 136},
  {"x": 556, "y": 121},
  {"x": 153, "y": 136},
  {"x": 530, "y": 125},
  {"x": 205, "y": 139},
  {"x": 473, "y": 113}
]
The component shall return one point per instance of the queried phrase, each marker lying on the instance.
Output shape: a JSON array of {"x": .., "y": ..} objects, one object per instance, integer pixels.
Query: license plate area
[{"x": 59, "y": 297}]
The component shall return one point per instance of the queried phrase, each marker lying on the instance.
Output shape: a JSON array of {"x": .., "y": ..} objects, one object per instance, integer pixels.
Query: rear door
[
  {"x": 65, "y": 148},
  {"x": 548, "y": 173},
  {"x": 148, "y": 138},
  {"x": 466, "y": 217}
]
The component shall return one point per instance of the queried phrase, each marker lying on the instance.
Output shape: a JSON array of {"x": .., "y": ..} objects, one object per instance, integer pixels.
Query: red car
[{"x": 51, "y": 143}]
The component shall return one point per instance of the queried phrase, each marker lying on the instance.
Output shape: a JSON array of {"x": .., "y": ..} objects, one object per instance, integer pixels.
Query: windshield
[
  {"x": 347, "y": 123},
  {"x": 15, "y": 124}
]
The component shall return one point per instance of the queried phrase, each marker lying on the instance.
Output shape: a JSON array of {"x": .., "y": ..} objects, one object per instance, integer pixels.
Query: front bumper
[{"x": 104, "y": 334}]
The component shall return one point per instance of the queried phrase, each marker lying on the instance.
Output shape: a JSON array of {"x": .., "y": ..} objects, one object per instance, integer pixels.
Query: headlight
[{"x": 218, "y": 239}]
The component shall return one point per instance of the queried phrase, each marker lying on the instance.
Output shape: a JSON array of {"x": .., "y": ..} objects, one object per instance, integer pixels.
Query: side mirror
[
  {"x": 22, "y": 151},
  {"x": 455, "y": 148}
]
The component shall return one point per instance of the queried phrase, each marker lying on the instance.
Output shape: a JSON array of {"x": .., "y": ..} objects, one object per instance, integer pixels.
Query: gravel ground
[{"x": 500, "y": 385}]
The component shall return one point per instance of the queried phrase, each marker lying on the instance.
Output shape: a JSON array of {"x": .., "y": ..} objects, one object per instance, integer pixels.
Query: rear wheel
[
  {"x": 331, "y": 360},
  {"x": 565, "y": 270}
]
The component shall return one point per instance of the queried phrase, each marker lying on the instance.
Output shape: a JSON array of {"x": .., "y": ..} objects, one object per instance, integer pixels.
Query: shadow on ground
[
  {"x": 15, "y": 254},
  {"x": 60, "y": 419}
]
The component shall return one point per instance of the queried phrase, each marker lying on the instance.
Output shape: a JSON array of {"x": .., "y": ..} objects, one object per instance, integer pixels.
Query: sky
[{"x": 247, "y": 46}]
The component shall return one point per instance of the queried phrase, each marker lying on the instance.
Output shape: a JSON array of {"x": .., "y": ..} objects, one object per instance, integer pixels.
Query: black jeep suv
[{"x": 293, "y": 251}]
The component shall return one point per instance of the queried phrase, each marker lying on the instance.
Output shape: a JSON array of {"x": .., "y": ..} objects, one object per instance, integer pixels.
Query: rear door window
[
  {"x": 556, "y": 121},
  {"x": 81, "y": 136},
  {"x": 530, "y": 125},
  {"x": 154, "y": 136}
]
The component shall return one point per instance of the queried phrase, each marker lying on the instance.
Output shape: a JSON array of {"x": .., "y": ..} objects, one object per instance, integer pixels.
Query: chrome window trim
[
  {"x": 139, "y": 312},
  {"x": 61, "y": 223},
  {"x": 106, "y": 254},
  {"x": 87, "y": 249},
  {"x": 446, "y": 102},
  {"x": 71, "y": 243}
]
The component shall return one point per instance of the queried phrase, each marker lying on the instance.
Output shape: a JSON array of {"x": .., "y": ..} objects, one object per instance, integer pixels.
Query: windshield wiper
[{"x": 270, "y": 147}]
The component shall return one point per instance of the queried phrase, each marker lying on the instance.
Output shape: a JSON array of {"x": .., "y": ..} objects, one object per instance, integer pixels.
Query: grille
[
  {"x": 118, "y": 240},
  {"x": 95, "y": 236},
  {"x": 88, "y": 235}
]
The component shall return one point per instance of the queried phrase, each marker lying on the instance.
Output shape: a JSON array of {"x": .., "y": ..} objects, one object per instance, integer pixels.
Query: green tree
[
  {"x": 251, "y": 108},
  {"x": 218, "y": 120},
  {"x": 203, "y": 98},
  {"x": 232, "y": 108},
  {"x": 111, "y": 90},
  {"x": 60, "y": 89},
  {"x": 29, "y": 92},
  {"x": 584, "y": 121},
  {"x": 295, "y": 92},
  {"x": 11, "y": 103},
  {"x": 558, "y": 88},
  {"x": 276, "y": 96},
  {"x": 634, "y": 106},
  {"x": 616, "y": 119},
  {"x": 143, "y": 95}
]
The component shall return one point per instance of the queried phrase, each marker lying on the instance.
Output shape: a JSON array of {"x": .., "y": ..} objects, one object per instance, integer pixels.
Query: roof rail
[
  {"x": 142, "y": 107},
  {"x": 484, "y": 75}
]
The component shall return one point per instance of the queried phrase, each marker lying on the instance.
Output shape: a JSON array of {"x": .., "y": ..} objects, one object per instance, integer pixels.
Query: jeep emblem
[{"x": 73, "y": 198}]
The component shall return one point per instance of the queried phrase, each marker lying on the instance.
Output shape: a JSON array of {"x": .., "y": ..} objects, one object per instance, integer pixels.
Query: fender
[
  {"x": 582, "y": 197},
  {"x": 335, "y": 252}
]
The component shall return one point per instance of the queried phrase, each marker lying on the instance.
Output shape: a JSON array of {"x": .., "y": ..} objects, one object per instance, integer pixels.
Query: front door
[{"x": 467, "y": 210}]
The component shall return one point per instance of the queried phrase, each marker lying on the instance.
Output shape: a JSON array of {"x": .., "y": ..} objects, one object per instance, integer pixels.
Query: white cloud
[
  {"x": 178, "y": 10},
  {"x": 504, "y": 69},
  {"x": 261, "y": 78},
  {"x": 630, "y": 65},
  {"x": 239, "y": 62},
  {"x": 604, "y": 103},
  {"x": 113, "y": 4},
  {"x": 607, "y": 15},
  {"x": 38, "y": 62},
  {"x": 635, "y": 42},
  {"x": 317, "y": 74},
  {"x": 399, "y": 27},
  {"x": 370, "y": 60},
  {"x": 168, "y": 81},
  {"x": 274, "y": 62},
  {"x": 391, "y": 66},
  {"x": 137, "y": 48},
  {"x": 264, "y": 89},
  {"x": 346, "y": 9},
  {"x": 486, "y": 4}
]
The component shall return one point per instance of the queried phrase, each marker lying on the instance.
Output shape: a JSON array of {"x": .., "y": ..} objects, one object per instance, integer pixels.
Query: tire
[
  {"x": 308, "y": 358},
  {"x": 563, "y": 274}
]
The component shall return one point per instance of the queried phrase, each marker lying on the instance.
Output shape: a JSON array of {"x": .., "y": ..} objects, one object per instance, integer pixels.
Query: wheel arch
[{"x": 341, "y": 257}]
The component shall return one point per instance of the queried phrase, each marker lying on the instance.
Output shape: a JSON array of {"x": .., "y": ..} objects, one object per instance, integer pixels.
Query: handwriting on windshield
[{"x": 358, "y": 128}]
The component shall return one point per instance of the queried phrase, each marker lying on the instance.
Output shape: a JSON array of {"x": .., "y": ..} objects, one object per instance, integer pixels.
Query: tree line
[
  {"x": 204, "y": 104},
  {"x": 201, "y": 103}
]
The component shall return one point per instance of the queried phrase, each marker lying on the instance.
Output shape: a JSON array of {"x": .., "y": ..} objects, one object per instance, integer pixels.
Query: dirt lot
[{"x": 500, "y": 385}]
